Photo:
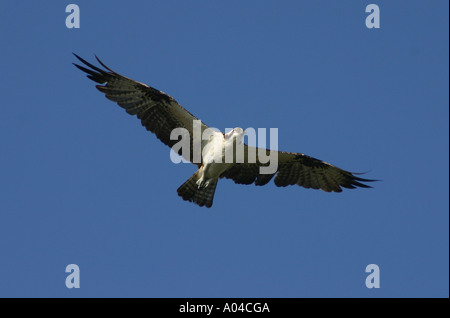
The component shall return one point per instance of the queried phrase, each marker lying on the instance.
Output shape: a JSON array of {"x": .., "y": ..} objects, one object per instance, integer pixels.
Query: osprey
[{"x": 161, "y": 114}]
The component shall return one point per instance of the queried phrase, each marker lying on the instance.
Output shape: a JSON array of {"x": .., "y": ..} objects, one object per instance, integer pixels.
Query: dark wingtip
[
  {"x": 357, "y": 181},
  {"x": 96, "y": 74},
  {"x": 356, "y": 174},
  {"x": 362, "y": 185},
  {"x": 90, "y": 65},
  {"x": 364, "y": 180},
  {"x": 104, "y": 64},
  {"x": 79, "y": 58}
]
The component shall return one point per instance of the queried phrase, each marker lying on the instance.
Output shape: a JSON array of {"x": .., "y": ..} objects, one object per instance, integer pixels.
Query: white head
[{"x": 237, "y": 134}]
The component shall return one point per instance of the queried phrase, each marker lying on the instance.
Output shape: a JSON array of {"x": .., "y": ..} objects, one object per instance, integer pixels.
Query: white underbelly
[
  {"x": 213, "y": 157},
  {"x": 215, "y": 170}
]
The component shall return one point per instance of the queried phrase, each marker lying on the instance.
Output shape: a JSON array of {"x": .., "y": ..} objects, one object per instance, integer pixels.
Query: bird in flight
[{"x": 161, "y": 114}]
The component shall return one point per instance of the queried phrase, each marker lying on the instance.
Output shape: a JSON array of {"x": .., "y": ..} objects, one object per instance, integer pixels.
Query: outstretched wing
[
  {"x": 299, "y": 169},
  {"x": 158, "y": 112}
]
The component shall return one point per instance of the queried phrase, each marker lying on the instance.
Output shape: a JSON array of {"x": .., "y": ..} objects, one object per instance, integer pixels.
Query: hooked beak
[{"x": 228, "y": 135}]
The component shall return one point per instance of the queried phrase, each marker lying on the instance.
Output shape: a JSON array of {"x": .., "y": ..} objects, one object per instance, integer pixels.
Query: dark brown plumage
[
  {"x": 299, "y": 169},
  {"x": 158, "y": 112}
]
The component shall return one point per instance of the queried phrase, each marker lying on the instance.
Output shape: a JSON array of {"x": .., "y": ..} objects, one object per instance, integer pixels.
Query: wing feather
[
  {"x": 158, "y": 112},
  {"x": 297, "y": 169}
]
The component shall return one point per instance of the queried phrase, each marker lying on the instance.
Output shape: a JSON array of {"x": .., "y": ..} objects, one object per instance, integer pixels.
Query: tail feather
[{"x": 189, "y": 191}]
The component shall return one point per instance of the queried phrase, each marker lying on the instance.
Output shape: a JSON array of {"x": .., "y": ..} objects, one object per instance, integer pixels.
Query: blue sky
[{"x": 81, "y": 182}]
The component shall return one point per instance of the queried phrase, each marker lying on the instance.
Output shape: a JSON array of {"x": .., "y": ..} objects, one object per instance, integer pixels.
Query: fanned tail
[{"x": 189, "y": 191}]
